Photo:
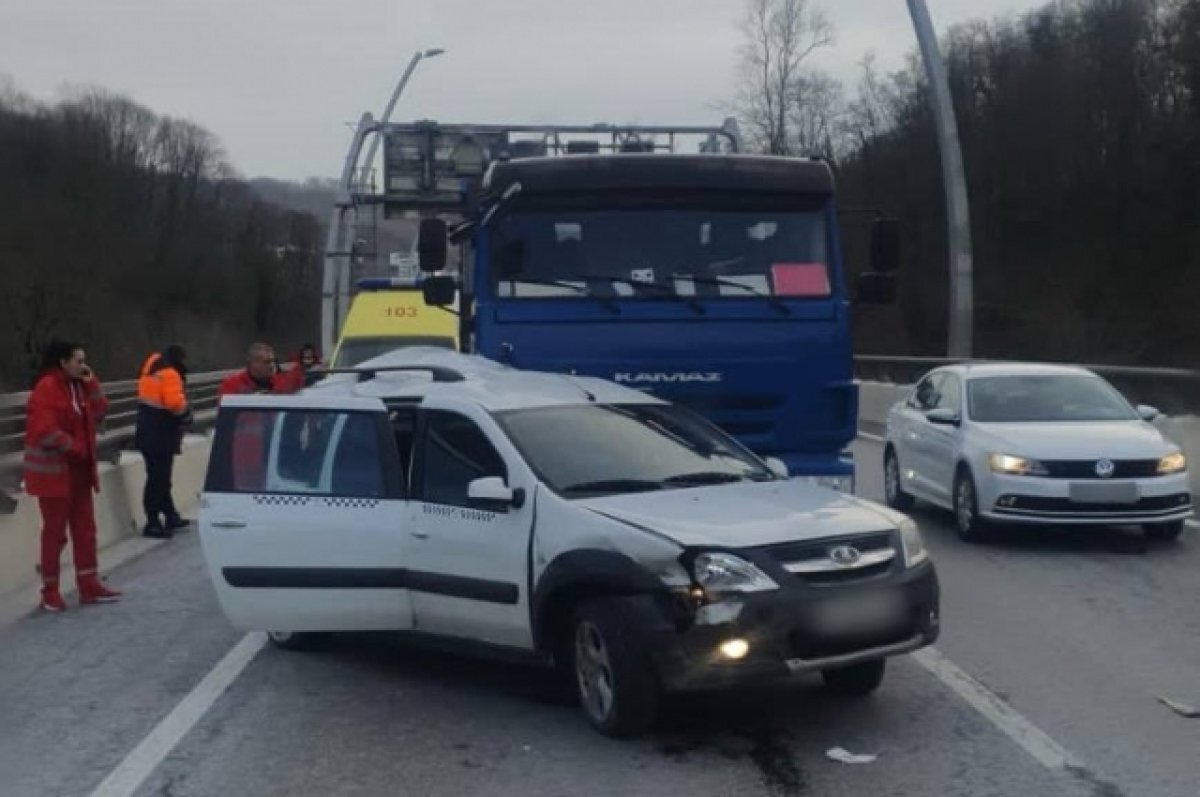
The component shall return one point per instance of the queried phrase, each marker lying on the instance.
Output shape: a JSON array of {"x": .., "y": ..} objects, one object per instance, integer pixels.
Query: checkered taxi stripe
[{"x": 305, "y": 500}]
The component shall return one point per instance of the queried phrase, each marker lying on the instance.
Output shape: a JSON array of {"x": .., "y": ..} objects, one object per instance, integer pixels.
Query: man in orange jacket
[
  {"x": 64, "y": 407},
  {"x": 163, "y": 413}
]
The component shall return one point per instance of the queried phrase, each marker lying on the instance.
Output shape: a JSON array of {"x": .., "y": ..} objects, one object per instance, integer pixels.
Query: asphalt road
[{"x": 1079, "y": 633}]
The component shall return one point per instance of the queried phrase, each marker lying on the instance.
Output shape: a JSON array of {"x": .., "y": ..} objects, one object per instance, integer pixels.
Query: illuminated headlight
[
  {"x": 724, "y": 572},
  {"x": 1172, "y": 463},
  {"x": 915, "y": 551},
  {"x": 1016, "y": 466},
  {"x": 843, "y": 484}
]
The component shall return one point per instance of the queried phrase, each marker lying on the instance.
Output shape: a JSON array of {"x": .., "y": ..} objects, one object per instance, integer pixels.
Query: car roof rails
[{"x": 439, "y": 373}]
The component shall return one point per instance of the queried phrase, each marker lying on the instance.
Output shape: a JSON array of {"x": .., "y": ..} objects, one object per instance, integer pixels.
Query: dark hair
[
  {"x": 308, "y": 347},
  {"x": 176, "y": 356},
  {"x": 56, "y": 352}
]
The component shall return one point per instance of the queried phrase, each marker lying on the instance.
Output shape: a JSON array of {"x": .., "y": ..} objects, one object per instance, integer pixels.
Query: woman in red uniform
[{"x": 64, "y": 408}]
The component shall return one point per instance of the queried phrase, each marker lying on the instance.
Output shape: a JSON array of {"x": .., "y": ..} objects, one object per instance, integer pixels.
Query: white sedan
[{"x": 1033, "y": 444}]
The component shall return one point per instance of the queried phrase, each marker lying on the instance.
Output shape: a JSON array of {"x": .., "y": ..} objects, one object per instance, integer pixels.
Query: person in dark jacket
[{"x": 163, "y": 414}]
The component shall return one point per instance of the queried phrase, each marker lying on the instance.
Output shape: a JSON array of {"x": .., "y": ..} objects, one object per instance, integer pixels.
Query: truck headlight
[
  {"x": 915, "y": 551},
  {"x": 1172, "y": 463},
  {"x": 723, "y": 572},
  {"x": 1016, "y": 466}
]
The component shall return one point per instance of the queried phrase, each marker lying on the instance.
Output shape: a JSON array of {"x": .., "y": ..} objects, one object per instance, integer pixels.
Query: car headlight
[
  {"x": 915, "y": 551},
  {"x": 1172, "y": 463},
  {"x": 841, "y": 483},
  {"x": 724, "y": 572},
  {"x": 1016, "y": 466}
]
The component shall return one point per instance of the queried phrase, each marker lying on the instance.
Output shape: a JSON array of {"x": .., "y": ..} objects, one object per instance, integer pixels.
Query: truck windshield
[
  {"x": 627, "y": 448},
  {"x": 661, "y": 253}
]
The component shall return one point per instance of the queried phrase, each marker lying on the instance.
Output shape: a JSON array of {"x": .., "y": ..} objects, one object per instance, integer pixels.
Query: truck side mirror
[
  {"x": 876, "y": 288},
  {"x": 439, "y": 291},
  {"x": 431, "y": 245},
  {"x": 885, "y": 246}
]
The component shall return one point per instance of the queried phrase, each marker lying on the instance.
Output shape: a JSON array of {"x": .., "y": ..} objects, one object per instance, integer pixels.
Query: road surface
[{"x": 1067, "y": 640}]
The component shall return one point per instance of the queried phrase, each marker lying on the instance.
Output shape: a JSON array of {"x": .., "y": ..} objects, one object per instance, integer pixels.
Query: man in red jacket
[
  {"x": 63, "y": 410},
  {"x": 261, "y": 375}
]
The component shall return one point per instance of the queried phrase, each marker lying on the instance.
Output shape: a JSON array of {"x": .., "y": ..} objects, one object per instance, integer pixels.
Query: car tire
[
  {"x": 614, "y": 678},
  {"x": 857, "y": 680},
  {"x": 1164, "y": 532},
  {"x": 893, "y": 490},
  {"x": 967, "y": 522},
  {"x": 297, "y": 640}
]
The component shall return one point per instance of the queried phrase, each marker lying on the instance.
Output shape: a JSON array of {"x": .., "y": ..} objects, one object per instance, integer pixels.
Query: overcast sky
[{"x": 277, "y": 80}]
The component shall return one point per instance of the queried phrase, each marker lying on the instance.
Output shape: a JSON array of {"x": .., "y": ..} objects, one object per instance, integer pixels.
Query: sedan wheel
[
  {"x": 967, "y": 522},
  {"x": 892, "y": 486},
  {"x": 618, "y": 690}
]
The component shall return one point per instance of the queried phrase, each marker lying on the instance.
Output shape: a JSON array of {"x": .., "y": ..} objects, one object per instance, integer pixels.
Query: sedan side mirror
[
  {"x": 1147, "y": 412},
  {"x": 492, "y": 494},
  {"x": 944, "y": 417},
  {"x": 776, "y": 466}
]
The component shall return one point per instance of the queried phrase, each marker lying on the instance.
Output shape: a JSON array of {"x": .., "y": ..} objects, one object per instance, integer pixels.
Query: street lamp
[
  {"x": 958, "y": 214},
  {"x": 387, "y": 112}
]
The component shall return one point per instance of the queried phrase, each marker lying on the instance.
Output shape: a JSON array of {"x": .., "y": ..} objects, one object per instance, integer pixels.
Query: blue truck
[{"x": 713, "y": 279}]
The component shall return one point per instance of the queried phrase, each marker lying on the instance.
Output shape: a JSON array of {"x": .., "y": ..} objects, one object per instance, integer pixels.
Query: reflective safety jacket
[
  {"x": 162, "y": 406},
  {"x": 61, "y": 416}
]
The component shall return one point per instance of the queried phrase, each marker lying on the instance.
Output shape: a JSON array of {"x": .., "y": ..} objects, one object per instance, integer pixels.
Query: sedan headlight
[
  {"x": 915, "y": 551},
  {"x": 1172, "y": 463},
  {"x": 724, "y": 572},
  {"x": 1016, "y": 466}
]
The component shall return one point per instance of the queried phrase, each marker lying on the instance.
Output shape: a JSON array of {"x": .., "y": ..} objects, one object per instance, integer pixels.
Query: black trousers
[{"x": 156, "y": 497}]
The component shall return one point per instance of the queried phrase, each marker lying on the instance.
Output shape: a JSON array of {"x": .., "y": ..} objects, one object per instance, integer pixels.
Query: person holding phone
[{"x": 64, "y": 408}]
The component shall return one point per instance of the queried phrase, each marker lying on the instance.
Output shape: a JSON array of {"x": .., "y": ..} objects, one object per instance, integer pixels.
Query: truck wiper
[
  {"x": 773, "y": 300},
  {"x": 604, "y": 301},
  {"x": 614, "y": 486},
  {"x": 705, "y": 477},
  {"x": 657, "y": 287}
]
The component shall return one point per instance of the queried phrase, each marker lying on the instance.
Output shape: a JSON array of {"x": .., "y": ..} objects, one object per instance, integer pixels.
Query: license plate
[
  {"x": 1105, "y": 493},
  {"x": 859, "y": 613}
]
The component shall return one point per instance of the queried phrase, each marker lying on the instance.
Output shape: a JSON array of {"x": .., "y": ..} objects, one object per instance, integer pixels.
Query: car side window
[
  {"x": 949, "y": 394},
  {"x": 453, "y": 453},
  {"x": 925, "y": 397}
]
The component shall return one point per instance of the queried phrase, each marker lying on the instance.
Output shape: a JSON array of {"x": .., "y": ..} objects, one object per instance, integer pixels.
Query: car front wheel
[
  {"x": 967, "y": 522},
  {"x": 617, "y": 687},
  {"x": 1166, "y": 532},
  {"x": 857, "y": 680},
  {"x": 893, "y": 486}
]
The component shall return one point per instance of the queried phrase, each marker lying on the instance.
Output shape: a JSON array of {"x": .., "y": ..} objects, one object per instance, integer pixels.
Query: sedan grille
[{"x": 1086, "y": 468}]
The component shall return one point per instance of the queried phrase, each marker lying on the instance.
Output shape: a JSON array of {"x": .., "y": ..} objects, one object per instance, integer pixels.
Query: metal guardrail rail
[
  {"x": 1174, "y": 391},
  {"x": 116, "y": 432}
]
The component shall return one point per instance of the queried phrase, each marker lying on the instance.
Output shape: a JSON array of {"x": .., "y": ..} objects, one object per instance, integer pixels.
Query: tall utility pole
[
  {"x": 958, "y": 213},
  {"x": 391, "y": 106}
]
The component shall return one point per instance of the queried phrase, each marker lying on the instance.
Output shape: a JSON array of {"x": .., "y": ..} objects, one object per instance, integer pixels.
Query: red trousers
[{"x": 73, "y": 513}]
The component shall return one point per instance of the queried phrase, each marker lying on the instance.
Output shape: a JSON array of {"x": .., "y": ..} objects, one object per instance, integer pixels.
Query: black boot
[
  {"x": 178, "y": 524},
  {"x": 155, "y": 530}
]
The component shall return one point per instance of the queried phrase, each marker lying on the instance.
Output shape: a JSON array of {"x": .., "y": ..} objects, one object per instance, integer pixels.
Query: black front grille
[
  {"x": 1019, "y": 503},
  {"x": 1086, "y": 468},
  {"x": 819, "y": 549}
]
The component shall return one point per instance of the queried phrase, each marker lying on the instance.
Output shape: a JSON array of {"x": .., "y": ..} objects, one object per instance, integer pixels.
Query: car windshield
[
  {"x": 628, "y": 448},
  {"x": 662, "y": 253},
  {"x": 1031, "y": 399},
  {"x": 358, "y": 350}
]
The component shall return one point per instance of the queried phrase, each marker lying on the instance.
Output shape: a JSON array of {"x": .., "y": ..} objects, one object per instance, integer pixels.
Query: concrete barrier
[
  {"x": 118, "y": 513},
  {"x": 876, "y": 398}
]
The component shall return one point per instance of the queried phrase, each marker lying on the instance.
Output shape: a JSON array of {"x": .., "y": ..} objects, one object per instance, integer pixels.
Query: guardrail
[
  {"x": 1175, "y": 391},
  {"x": 116, "y": 432}
]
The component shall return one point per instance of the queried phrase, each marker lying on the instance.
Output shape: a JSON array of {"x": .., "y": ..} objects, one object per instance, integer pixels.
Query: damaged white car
[{"x": 568, "y": 521}]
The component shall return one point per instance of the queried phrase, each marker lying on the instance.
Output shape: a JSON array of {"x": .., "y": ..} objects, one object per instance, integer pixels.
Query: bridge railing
[{"x": 1174, "y": 391}]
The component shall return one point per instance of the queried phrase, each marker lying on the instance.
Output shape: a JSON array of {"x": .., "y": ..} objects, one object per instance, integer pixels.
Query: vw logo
[
  {"x": 845, "y": 555},
  {"x": 1105, "y": 469}
]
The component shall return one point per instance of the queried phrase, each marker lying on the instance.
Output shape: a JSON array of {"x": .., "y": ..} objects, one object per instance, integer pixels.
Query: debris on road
[
  {"x": 844, "y": 756},
  {"x": 1179, "y": 708}
]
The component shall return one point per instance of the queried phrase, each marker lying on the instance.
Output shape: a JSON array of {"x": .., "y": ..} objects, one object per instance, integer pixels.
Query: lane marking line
[
  {"x": 131, "y": 773},
  {"x": 1024, "y": 733}
]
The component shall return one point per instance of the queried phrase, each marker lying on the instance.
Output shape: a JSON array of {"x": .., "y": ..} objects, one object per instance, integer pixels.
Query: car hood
[
  {"x": 745, "y": 515},
  {"x": 1084, "y": 440}
]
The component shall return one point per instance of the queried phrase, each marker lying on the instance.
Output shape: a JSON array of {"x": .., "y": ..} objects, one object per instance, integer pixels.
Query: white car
[
  {"x": 554, "y": 519},
  {"x": 1033, "y": 444}
]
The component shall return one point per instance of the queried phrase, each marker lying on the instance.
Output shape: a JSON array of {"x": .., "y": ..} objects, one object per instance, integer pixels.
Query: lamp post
[{"x": 387, "y": 112}]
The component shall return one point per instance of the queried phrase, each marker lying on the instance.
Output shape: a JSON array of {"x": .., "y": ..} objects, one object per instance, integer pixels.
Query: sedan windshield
[
  {"x": 601, "y": 449},
  {"x": 1018, "y": 399}
]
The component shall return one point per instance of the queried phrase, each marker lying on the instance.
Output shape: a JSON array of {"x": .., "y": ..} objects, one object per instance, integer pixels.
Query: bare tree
[{"x": 776, "y": 81}]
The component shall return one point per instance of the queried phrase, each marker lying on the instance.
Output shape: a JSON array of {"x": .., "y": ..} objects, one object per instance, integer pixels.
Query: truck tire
[
  {"x": 893, "y": 485},
  {"x": 857, "y": 680},
  {"x": 617, "y": 686}
]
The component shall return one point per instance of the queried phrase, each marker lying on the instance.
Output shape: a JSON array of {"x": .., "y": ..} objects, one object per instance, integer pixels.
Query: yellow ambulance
[{"x": 388, "y": 314}]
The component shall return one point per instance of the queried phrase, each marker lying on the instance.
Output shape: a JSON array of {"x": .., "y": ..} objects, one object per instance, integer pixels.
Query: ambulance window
[{"x": 454, "y": 453}]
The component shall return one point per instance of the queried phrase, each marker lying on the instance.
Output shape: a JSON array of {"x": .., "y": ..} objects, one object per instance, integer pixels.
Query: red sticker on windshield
[{"x": 800, "y": 279}]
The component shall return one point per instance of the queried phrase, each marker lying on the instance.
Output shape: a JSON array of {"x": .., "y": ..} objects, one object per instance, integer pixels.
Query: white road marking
[
  {"x": 143, "y": 759},
  {"x": 1028, "y": 736}
]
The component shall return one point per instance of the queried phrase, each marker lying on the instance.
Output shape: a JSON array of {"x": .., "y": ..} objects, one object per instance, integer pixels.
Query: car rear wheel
[
  {"x": 1166, "y": 532},
  {"x": 617, "y": 687},
  {"x": 297, "y": 640},
  {"x": 967, "y": 522},
  {"x": 857, "y": 680},
  {"x": 893, "y": 488}
]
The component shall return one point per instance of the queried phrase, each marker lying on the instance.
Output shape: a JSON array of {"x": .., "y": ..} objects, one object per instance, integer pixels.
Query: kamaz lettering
[{"x": 661, "y": 378}]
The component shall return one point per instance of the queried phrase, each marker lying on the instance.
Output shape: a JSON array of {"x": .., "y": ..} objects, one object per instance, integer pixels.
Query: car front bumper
[
  {"x": 788, "y": 632},
  {"x": 1024, "y": 499}
]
